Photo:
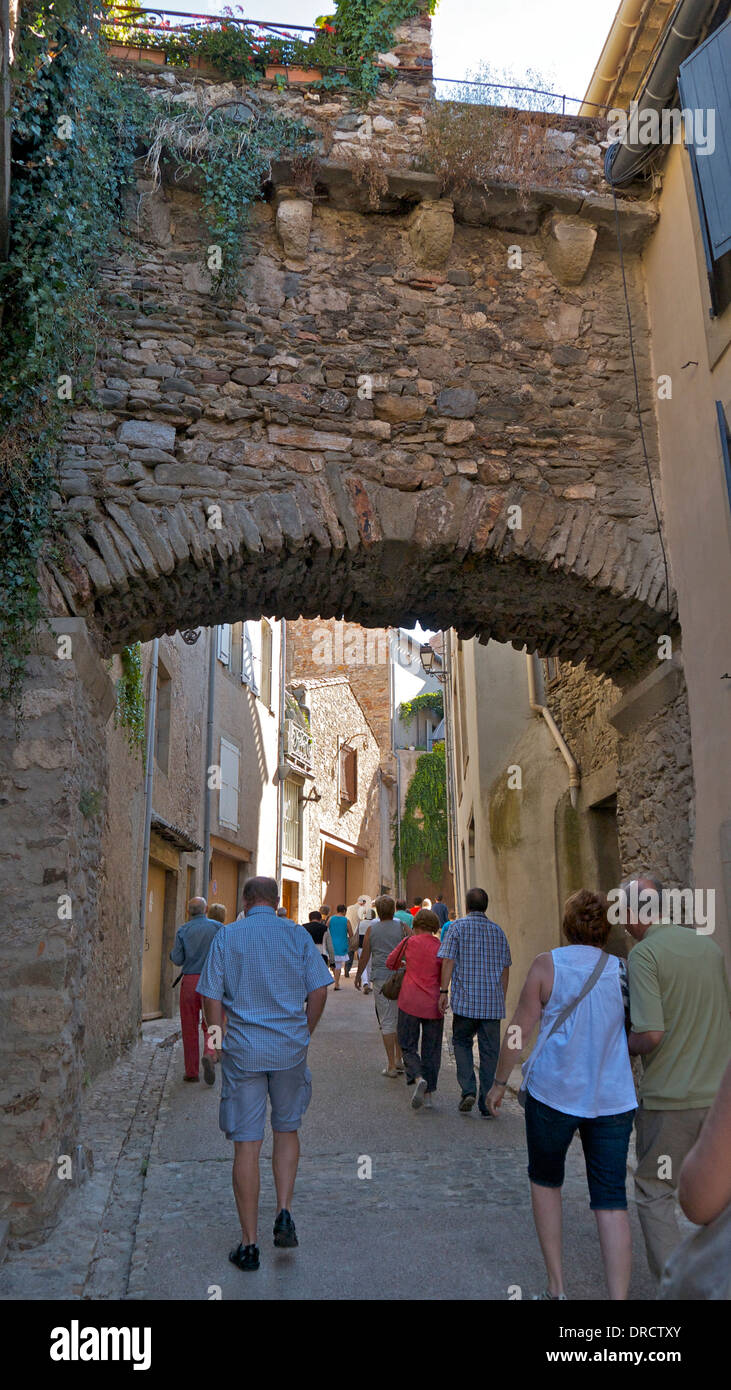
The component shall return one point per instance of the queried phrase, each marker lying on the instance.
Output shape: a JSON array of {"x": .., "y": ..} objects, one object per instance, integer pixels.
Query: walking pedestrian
[
  {"x": 476, "y": 961},
  {"x": 269, "y": 976},
  {"x": 337, "y": 941},
  {"x": 441, "y": 909},
  {"x": 700, "y": 1267},
  {"x": 217, "y": 912},
  {"x": 403, "y": 914},
  {"x": 578, "y": 1077},
  {"x": 316, "y": 928},
  {"x": 417, "y": 906},
  {"x": 679, "y": 1002},
  {"x": 190, "y": 948},
  {"x": 418, "y": 1007},
  {"x": 382, "y": 935}
]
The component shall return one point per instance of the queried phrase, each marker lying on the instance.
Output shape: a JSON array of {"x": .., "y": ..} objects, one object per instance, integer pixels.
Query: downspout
[
  {"x": 212, "y": 631},
  {"x": 558, "y": 738},
  {"x": 149, "y": 777},
  {"x": 609, "y": 66},
  {"x": 453, "y": 838},
  {"x": 394, "y": 750},
  {"x": 625, "y": 160},
  {"x": 280, "y": 757}
]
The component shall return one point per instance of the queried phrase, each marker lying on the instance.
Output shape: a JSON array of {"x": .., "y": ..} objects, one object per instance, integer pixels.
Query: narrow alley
[{"x": 445, "y": 1214}]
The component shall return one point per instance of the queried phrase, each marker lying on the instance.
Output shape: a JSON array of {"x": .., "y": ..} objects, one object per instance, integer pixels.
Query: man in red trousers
[{"x": 192, "y": 944}]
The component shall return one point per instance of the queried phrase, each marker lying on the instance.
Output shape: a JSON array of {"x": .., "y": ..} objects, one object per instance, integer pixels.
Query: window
[
  {"x": 725, "y": 444},
  {"x": 705, "y": 90},
  {"x": 266, "y": 663},
  {"x": 292, "y": 820},
  {"x": 348, "y": 775},
  {"x": 551, "y": 668},
  {"x": 228, "y": 796},
  {"x": 162, "y": 718},
  {"x": 223, "y": 650},
  {"x": 251, "y": 655}
]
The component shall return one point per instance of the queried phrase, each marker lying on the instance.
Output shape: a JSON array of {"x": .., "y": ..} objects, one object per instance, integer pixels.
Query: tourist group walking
[{"x": 253, "y": 990}]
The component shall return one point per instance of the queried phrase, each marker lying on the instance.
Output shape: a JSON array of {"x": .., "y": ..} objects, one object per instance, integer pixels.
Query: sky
[{"x": 561, "y": 40}]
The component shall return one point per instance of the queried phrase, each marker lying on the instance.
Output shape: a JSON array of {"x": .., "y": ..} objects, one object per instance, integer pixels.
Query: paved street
[{"x": 445, "y": 1213}]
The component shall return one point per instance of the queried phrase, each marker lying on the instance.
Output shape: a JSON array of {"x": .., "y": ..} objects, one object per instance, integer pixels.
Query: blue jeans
[
  {"x": 488, "y": 1046},
  {"x": 605, "y": 1141}
]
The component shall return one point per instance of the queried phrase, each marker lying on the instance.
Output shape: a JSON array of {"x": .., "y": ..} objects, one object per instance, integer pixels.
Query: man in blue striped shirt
[
  {"x": 266, "y": 975},
  {"x": 476, "y": 961}
]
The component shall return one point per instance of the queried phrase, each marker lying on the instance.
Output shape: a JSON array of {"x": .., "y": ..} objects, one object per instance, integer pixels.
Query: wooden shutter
[
  {"x": 725, "y": 444},
  {"x": 348, "y": 775},
  {"x": 223, "y": 651},
  {"x": 705, "y": 84},
  {"x": 228, "y": 796},
  {"x": 251, "y": 655},
  {"x": 266, "y": 663}
]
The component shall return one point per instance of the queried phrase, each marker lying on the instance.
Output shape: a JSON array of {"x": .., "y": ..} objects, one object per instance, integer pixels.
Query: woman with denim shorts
[{"x": 578, "y": 1077}]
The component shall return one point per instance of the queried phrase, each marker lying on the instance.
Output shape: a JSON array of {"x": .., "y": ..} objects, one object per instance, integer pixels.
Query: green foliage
[
  {"x": 232, "y": 158},
  {"x": 129, "y": 712},
  {"x": 72, "y": 150},
  {"x": 90, "y": 802},
  {"x": 350, "y": 39},
  {"x": 424, "y": 828},
  {"x": 431, "y": 699}
]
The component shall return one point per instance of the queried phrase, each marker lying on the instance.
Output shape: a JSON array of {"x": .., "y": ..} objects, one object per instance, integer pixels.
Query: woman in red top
[{"x": 419, "y": 1006}]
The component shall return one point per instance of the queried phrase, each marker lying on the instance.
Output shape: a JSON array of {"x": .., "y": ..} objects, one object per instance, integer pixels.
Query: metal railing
[{"x": 297, "y": 744}]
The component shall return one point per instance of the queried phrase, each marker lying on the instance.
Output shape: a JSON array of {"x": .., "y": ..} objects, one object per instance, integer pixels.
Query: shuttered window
[
  {"x": 223, "y": 649},
  {"x": 705, "y": 87},
  {"x": 228, "y": 796},
  {"x": 292, "y": 820},
  {"x": 266, "y": 663},
  {"x": 348, "y": 775},
  {"x": 251, "y": 655}
]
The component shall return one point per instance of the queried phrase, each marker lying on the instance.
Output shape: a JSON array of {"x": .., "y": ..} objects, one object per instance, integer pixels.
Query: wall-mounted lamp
[{"x": 428, "y": 661}]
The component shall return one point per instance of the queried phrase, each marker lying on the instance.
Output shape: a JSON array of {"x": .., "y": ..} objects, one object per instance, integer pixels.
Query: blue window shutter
[
  {"x": 725, "y": 445},
  {"x": 705, "y": 84}
]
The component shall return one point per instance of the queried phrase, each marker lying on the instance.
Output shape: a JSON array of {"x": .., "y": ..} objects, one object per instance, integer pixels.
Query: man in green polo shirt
[{"x": 681, "y": 1028}]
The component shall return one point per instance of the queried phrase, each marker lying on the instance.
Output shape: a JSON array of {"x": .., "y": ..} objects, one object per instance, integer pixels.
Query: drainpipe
[
  {"x": 612, "y": 56},
  {"x": 149, "y": 777},
  {"x": 453, "y": 838},
  {"x": 625, "y": 159},
  {"x": 394, "y": 750},
  {"x": 558, "y": 738},
  {"x": 280, "y": 764},
  {"x": 212, "y": 637}
]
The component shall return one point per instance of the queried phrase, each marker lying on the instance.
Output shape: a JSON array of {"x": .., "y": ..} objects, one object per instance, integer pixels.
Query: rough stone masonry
[{"x": 394, "y": 383}]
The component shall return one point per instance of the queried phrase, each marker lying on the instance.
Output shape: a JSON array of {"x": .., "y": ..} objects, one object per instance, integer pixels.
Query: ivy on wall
[
  {"x": 423, "y": 832},
  {"x": 129, "y": 711},
  {"x": 431, "y": 699},
  {"x": 349, "y": 39}
]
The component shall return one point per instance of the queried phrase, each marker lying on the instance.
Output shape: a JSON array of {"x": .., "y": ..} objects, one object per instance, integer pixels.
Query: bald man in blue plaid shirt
[
  {"x": 476, "y": 962},
  {"x": 267, "y": 977}
]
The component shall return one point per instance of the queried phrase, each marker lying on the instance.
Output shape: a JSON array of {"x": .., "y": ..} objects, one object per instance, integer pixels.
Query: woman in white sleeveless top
[{"x": 578, "y": 1077}]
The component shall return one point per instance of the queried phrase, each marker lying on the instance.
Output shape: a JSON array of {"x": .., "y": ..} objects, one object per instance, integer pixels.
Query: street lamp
[{"x": 428, "y": 661}]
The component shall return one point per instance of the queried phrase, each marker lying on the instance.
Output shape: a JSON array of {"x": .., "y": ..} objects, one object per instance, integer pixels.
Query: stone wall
[{"x": 318, "y": 647}]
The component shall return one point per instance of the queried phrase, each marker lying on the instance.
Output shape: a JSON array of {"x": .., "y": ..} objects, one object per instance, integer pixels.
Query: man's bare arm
[
  {"x": 315, "y": 1005},
  {"x": 215, "y": 1018},
  {"x": 641, "y": 1043}
]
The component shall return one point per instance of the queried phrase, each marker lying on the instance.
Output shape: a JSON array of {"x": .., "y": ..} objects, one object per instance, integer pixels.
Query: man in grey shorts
[{"x": 266, "y": 977}]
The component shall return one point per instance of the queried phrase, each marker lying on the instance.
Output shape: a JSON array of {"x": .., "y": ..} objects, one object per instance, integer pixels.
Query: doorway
[
  {"x": 154, "y": 926},
  {"x": 224, "y": 883}
]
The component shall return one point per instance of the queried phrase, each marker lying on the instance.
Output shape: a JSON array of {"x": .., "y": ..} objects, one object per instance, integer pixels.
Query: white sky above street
[{"x": 561, "y": 39}]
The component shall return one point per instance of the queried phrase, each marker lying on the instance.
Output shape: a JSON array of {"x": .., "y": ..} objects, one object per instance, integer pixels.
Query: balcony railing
[{"x": 297, "y": 745}]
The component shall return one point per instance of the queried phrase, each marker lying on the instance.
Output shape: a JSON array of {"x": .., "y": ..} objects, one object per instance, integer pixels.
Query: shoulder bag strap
[{"x": 567, "y": 1011}]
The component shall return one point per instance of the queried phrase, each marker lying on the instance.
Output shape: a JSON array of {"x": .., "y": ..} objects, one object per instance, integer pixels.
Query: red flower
[{"x": 329, "y": 28}]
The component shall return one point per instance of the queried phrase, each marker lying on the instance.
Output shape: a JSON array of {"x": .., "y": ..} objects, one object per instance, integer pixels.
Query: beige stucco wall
[
  {"x": 336, "y": 715},
  {"x": 696, "y": 509}
]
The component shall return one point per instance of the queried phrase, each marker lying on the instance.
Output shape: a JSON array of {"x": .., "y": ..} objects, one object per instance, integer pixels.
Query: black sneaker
[
  {"x": 245, "y": 1257},
  {"x": 467, "y": 1103},
  {"x": 285, "y": 1236},
  {"x": 209, "y": 1074}
]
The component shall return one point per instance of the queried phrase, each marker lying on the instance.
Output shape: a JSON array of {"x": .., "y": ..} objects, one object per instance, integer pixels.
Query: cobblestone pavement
[{"x": 445, "y": 1212}]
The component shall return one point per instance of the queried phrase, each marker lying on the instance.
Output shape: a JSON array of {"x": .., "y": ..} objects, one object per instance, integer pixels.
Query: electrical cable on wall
[{"x": 637, "y": 399}]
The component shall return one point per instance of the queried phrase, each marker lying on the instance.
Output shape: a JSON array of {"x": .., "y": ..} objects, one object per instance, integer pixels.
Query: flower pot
[
  {"x": 137, "y": 55},
  {"x": 293, "y": 74}
]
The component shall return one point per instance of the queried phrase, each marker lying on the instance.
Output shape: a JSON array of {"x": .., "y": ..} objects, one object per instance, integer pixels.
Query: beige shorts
[{"x": 386, "y": 1009}]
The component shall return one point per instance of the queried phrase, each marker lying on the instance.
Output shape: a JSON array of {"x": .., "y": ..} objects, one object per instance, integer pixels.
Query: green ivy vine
[
  {"x": 344, "y": 48},
  {"x": 431, "y": 699},
  {"x": 129, "y": 712},
  {"x": 422, "y": 836}
]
